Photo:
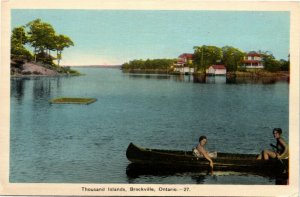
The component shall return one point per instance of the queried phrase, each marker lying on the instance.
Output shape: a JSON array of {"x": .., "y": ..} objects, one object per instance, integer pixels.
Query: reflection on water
[
  {"x": 138, "y": 172},
  {"x": 232, "y": 79},
  {"x": 238, "y": 80},
  {"x": 18, "y": 90},
  {"x": 149, "y": 76},
  {"x": 255, "y": 80},
  {"x": 216, "y": 79},
  {"x": 205, "y": 178},
  {"x": 41, "y": 87}
]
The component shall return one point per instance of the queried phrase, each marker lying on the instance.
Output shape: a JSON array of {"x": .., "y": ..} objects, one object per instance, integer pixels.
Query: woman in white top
[{"x": 200, "y": 151}]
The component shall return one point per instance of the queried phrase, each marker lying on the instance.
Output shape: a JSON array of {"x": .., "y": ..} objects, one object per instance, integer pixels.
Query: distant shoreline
[{"x": 96, "y": 66}]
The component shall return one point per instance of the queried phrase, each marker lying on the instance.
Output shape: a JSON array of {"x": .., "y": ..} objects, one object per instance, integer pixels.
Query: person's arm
[
  {"x": 274, "y": 146},
  {"x": 285, "y": 148},
  {"x": 204, "y": 153}
]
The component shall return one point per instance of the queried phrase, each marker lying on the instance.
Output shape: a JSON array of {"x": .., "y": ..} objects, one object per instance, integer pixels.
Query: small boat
[{"x": 146, "y": 159}]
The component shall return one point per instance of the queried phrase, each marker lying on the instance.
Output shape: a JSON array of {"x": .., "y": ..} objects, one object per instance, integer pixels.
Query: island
[
  {"x": 31, "y": 47},
  {"x": 212, "y": 60}
]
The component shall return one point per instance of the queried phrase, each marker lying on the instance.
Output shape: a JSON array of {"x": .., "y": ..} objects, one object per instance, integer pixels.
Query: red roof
[
  {"x": 254, "y": 54},
  {"x": 218, "y": 67},
  {"x": 186, "y": 55}
]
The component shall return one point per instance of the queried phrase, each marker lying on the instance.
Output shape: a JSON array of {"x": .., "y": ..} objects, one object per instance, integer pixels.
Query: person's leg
[
  {"x": 259, "y": 157},
  {"x": 269, "y": 153}
]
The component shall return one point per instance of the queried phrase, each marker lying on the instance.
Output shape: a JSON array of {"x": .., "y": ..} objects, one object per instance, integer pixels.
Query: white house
[
  {"x": 253, "y": 60},
  {"x": 182, "y": 64},
  {"x": 216, "y": 70},
  {"x": 184, "y": 69}
]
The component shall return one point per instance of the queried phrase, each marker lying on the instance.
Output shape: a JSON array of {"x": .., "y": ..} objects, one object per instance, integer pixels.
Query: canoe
[{"x": 178, "y": 161}]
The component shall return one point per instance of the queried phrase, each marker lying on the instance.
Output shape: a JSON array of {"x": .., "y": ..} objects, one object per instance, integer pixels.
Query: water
[{"x": 87, "y": 143}]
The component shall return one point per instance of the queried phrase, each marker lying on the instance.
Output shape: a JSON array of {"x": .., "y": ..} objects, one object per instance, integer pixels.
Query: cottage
[
  {"x": 216, "y": 70},
  {"x": 253, "y": 60},
  {"x": 186, "y": 58},
  {"x": 183, "y": 62}
]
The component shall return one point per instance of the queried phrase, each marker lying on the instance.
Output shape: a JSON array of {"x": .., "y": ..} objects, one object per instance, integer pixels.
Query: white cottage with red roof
[
  {"x": 182, "y": 64},
  {"x": 216, "y": 70},
  {"x": 253, "y": 60}
]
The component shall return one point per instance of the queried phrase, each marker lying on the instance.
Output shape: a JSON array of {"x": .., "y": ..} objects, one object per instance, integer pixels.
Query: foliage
[
  {"x": 149, "y": 64},
  {"x": 66, "y": 69},
  {"x": 19, "y": 52},
  {"x": 232, "y": 58},
  {"x": 19, "y": 36},
  {"x": 61, "y": 42},
  {"x": 204, "y": 56},
  {"x": 42, "y": 38},
  {"x": 270, "y": 63},
  {"x": 284, "y": 65},
  {"x": 18, "y": 39}
]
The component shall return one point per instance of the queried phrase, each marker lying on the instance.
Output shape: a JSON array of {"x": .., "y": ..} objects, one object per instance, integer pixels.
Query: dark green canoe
[{"x": 173, "y": 160}]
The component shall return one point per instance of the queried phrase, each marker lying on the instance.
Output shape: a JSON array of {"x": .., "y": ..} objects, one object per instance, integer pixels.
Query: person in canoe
[
  {"x": 281, "y": 147},
  {"x": 200, "y": 151}
]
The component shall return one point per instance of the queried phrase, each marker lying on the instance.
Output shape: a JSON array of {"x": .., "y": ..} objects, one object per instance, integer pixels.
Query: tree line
[
  {"x": 205, "y": 56},
  {"x": 149, "y": 64},
  {"x": 42, "y": 38},
  {"x": 232, "y": 58}
]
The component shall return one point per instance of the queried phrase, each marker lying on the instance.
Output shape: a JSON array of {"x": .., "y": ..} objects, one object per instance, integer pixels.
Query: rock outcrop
[{"x": 35, "y": 69}]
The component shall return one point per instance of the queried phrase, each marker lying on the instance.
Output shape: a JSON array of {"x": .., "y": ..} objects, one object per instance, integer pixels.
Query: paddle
[
  {"x": 284, "y": 166},
  {"x": 211, "y": 167}
]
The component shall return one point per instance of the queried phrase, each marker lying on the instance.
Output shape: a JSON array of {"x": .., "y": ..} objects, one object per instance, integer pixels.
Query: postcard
[{"x": 149, "y": 98}]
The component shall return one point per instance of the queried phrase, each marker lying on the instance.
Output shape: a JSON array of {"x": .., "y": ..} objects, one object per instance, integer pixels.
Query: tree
[
  {"x": 284, "y": 65},
  {"x": 149, "y": 64},
  {"x": 41, "y": 37},
  {"x": 270, "y": 63},
  {"x": 19, "y": 36},
  {"x": 204, "y": 56},
  {"x": 61, "y": 42},
  {"x": 18, "y": 40},
  {"x": 232, "y": 58}
]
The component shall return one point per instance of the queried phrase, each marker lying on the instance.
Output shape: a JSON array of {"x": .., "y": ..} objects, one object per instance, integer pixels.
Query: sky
[{"x": 113, "y": 37}]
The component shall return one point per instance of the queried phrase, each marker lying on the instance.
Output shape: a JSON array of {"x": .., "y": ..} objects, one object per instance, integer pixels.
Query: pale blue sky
[{"x": 117, "y": 36}]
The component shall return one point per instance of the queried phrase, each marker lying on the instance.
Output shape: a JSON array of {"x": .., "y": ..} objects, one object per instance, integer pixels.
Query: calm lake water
[{"x": 87, "y": 143}]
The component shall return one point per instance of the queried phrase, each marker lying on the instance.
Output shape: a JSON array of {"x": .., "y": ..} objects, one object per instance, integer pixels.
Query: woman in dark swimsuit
[{"x": 281, "y": 147}]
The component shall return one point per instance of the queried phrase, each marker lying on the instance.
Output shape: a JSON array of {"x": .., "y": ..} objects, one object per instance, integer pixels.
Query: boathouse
[
  {"x": 253, "y": 60},
  {"x": 183, "y": 63},
  {"x": 216, "y": 70}
]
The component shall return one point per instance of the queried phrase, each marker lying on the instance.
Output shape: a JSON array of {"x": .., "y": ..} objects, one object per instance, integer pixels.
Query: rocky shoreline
[{"x": 26, "y": 69}]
